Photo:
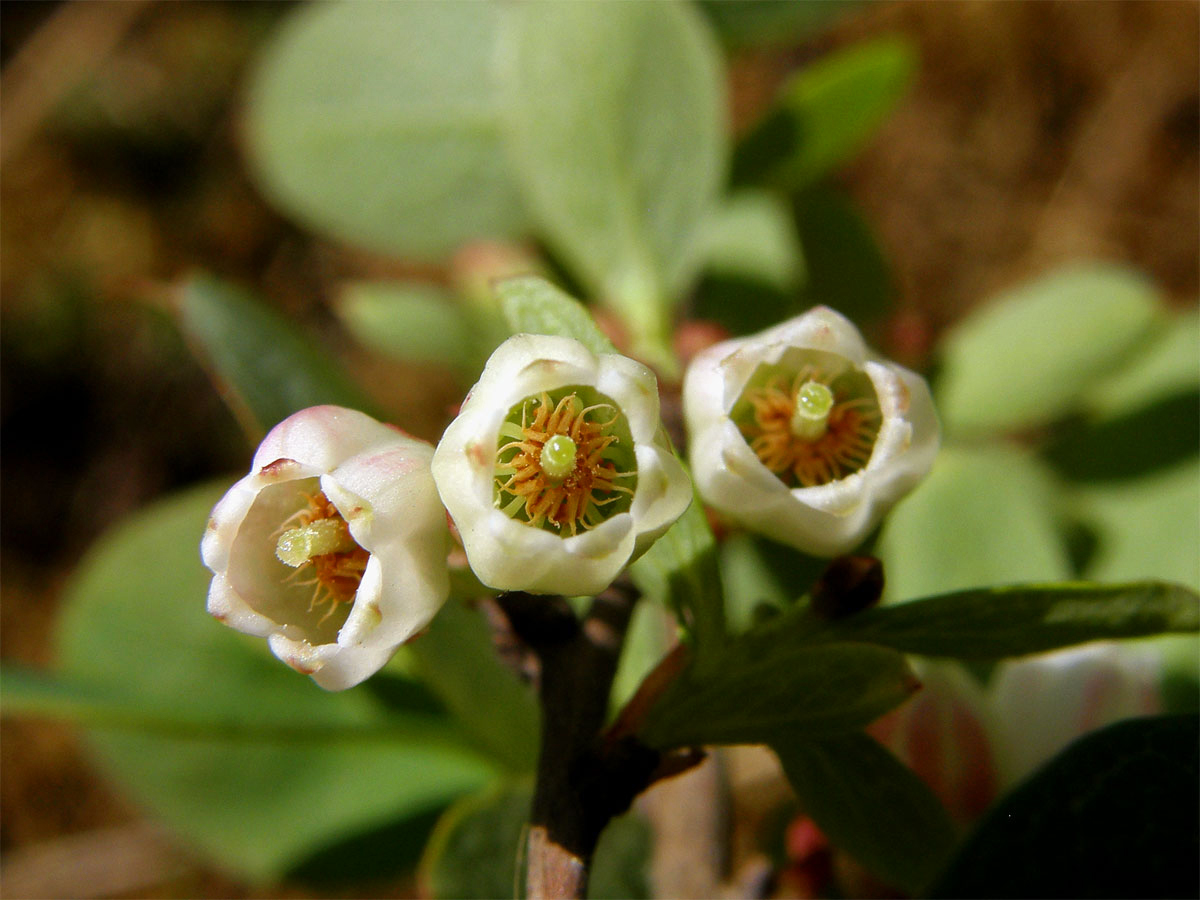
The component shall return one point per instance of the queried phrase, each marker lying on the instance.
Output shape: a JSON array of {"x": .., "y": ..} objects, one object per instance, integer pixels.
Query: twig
[{"x": 582, "y": 781}]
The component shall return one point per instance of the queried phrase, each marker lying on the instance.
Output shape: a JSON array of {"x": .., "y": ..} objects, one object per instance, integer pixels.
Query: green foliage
[
  {"x": 1113, "y": 815},
  {"x": 983, "y": 516},
  {"x": 995, "y": 622},
  {"x": 407, "y": 320},
  {"x": 1146, "y": 527},
  {"x": 615, "y": 118},
  {"x": 265, "y": 366},
  {"x": 872, "y": 806},
  {"x": 379, "y": 123},
  {"x": 477, "y": 850},
  {"x": 228, "y": 724},
  {"x": 766, "y": 687},
  {"x": 680, "y": 572},
  {"x": 1031, "y": 355},
  {"x": 752, "y": 237},
  {"x": 825, "y": 113},
  {"x": 845, "y": 266},
  {"x": 750, "y": 22},
  {"x": 458, "y": 661},
  {"x": 532, "y": 305}
]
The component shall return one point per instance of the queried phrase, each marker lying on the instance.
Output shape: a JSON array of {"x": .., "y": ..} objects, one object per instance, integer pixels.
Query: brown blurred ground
[{"x": 1036, "y": 133}]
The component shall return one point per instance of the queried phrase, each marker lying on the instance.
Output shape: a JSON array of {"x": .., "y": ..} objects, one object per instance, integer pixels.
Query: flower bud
[
  {"x": 556, "y": 471},
  {"x": 1041, "y": 703},
  {"x": 802, "y": 434},
  {"x": 333, "y": 547}
]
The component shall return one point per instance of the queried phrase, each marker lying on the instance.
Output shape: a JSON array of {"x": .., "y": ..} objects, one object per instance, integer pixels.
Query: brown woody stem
[{"x": 582, "y": 781}]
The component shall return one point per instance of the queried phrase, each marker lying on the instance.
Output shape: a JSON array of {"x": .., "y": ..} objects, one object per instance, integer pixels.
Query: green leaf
[
  {"x": 826, "y": 112},
  {"x": 266, "y": 367},
  {"x": 1031, "y": 355},
  {"x": 477, "y": 850},
  {"x": 458, "y": 660},
  {"x": 994, "y": 622},
  {"x": 532, "y": 305},
  {"x": 1145, "y": 528},
  {"x": 751, "y": 22},
  {"x": 1114, "y": 815},
  {"x": 406, "y": 320},
  {"x": 378, "y": 123},
  {"x": 871, "y": 806},
  {"x": 767, "y": 686},
  {"x": 680, "y": 572},
  {"x": 752, "y": 236},
  {"x": 845, "y": 267},
  {"x": 134, "y": 631},
  {"x": 1167, "y": 366},
  {"x": 983, "y": 516},
  {"x": 42, "y": 695},
  {"x": 616, "y": 126}
]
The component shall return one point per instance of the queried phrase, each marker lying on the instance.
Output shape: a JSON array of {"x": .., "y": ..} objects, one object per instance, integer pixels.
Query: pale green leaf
[
  {"x": 377, "y": 123},
  {"x": 983, "y": 516},
  {"x": 407, "y": 320},
  {"x": 871, "y": 806},
  {"x": 752, "y": 236},
  {"x": 616, "y": 126},
  {"x": 134, "y": 626},
  {"x": 532, "y": 305},
  {"x": 1146, "y": 527},
  {"x": 1167, "y": 366},
  {"x": 1032, "y": 354}
]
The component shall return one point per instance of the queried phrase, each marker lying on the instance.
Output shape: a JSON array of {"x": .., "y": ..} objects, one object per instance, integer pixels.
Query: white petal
[{"x": 825, "y": 519}]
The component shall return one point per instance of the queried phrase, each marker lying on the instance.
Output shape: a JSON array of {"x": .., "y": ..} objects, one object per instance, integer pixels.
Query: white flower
[
  {"x": 556, "y": 471},
  {"x": 333, "y": 547},
  {"x": 802, "y": 434}
]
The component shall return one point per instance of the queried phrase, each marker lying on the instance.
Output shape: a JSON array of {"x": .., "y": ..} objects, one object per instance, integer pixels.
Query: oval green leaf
[
  {"x": 1031, "y": 355},
  {"x": 297, "y": 773},
  {"x": 616, "y": 129},
  {"x": 377, "y": 123},
  {"x": 983, "y": 516}
]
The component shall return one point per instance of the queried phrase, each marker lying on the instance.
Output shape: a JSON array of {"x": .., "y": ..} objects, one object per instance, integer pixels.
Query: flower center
[
  {"x": 320, "y": 543},
  {"x": 561, "y": 470},
  {"x": 811, "y": 429}
]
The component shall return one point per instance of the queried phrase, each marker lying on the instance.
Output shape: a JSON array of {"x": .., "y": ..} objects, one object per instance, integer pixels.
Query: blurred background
[{"x": 1035, "y": 133}]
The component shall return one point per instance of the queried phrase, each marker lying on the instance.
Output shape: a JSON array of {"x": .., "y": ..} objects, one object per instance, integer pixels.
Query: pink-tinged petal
[{"x": 378, "y": 480}]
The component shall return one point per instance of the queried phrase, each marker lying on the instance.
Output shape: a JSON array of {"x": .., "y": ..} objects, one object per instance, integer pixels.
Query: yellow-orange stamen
[
  {"x": 549, "y": 489},
  {"x": 843, "y": 446}
]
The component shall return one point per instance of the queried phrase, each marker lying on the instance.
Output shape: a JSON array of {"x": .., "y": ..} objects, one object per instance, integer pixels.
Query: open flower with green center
[
  {"x": 333, "y": 547},
  {"x": 802, "y": 434},
  {"x": 556, "y": 472}
]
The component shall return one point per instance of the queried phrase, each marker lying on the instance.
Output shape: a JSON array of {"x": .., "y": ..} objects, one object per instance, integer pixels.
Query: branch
[{"x": 582, "y": 782}]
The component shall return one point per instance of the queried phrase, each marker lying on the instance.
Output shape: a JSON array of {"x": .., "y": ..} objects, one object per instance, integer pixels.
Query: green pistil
[
  {"x": 814, "y": 402},
  {"x": 558, "y": 457},
  {"x": 296, "y": 546}
]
